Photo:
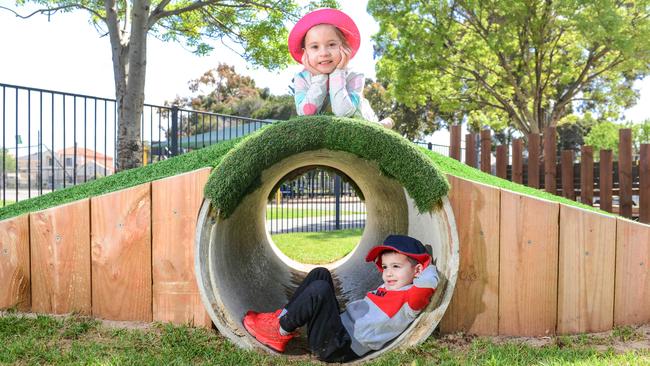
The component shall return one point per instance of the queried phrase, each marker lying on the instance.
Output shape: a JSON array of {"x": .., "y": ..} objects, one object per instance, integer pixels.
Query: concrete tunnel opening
[
  {"x": 305, "y": 201},
  {"x": 238, "y": 268}
]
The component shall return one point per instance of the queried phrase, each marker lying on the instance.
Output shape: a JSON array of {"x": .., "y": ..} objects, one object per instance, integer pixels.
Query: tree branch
[
  {"x": 521, "y": 96},
  {"x": 159, "y": 9},
  {"x": 509, "y": 109},
  {"x": 52, "y": 11},
  {"x": 161, "y": 13},
  {"x": 579, "y": 82}
]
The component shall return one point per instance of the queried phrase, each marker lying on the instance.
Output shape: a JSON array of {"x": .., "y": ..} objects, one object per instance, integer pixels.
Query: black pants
[{"x": 314, "y": 304}]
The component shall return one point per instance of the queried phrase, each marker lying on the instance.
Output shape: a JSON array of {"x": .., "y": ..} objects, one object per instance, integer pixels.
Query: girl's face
[{"x": 323, "y": 48}]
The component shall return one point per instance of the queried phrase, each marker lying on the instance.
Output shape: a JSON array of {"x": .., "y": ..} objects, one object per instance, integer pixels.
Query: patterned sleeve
[
  {"x": 309, "y": 92},
  {"x": 346, "y": 89}
]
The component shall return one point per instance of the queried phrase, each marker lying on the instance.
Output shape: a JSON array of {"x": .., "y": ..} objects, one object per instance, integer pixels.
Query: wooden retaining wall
[
  {"x": 527, "y": 266},
  {"x": 126, "y": 255}
]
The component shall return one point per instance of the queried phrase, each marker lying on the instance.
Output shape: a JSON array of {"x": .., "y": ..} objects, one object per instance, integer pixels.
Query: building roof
[{"x": 88, "y": 153}]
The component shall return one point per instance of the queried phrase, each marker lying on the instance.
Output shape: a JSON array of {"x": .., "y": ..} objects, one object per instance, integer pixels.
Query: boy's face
[
  {"x": 398, "y": 270},
  {"x": 323, "y": 48}
]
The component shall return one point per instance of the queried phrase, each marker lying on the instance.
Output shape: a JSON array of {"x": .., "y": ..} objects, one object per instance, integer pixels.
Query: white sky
[{"x": 67, "y": 54}]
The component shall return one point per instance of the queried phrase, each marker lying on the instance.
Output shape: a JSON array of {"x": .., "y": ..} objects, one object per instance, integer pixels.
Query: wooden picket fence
[{"x": 609, "y": 185}]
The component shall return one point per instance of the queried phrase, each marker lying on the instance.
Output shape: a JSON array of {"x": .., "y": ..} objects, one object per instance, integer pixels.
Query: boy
[{"x": 367, "y": 324}]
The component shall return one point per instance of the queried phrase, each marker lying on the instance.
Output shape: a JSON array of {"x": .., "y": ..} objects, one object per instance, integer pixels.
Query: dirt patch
[
  {"x": 117, "y": 324},
  {"x": 620, "y": 339},
  {"x": 111, "y": 324}
]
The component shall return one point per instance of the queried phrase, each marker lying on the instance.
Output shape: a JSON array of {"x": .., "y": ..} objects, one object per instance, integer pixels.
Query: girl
[{"x": 324, "y": 41}]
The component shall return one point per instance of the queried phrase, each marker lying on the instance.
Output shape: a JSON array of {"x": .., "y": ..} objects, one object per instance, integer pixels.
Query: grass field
[
  {"x": 80, "y": 340},
  {"x": 318, "y": 247},
  {"x": 299, "y": 213}
]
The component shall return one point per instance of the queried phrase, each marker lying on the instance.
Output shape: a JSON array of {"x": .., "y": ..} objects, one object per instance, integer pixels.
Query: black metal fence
[
  {"x": 52, "y": 140},
  {"x": 318, "y": 200},
  {"x": 440, "y": 149}
]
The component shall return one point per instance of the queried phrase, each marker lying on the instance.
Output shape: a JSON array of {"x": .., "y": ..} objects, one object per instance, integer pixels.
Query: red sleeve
[{"x": 419, "y": 297}]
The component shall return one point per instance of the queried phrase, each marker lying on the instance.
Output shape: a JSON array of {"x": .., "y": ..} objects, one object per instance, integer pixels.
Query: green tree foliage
[
  {"x": 643, "y": 132},
  {"x": 411, "y": 121},
  {"x": 605, "y": 135},
  {"x": 9, "y": 161},
  {"x": 528, "y": 62},
  {"x": 223, "y": 90},
  {"x": 255, "y": 29},
  {"x": 280, "y": 107},
  {"x": 572, "y": 130}
]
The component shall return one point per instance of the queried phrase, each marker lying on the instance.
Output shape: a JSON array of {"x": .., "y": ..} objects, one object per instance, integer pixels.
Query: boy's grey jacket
[{"x": 383, "y": 315}]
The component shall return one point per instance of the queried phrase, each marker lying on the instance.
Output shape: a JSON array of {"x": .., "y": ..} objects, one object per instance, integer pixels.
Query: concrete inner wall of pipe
[{"x": 238, "y": 268}]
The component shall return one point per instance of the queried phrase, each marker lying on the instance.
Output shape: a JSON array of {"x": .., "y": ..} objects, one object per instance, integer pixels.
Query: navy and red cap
[{"x": 403, "y": 244}]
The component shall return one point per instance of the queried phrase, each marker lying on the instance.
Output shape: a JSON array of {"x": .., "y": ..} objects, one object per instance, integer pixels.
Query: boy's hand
[
  {"x": 345, "y": 58},
  {"x": 308, "y": 66}
]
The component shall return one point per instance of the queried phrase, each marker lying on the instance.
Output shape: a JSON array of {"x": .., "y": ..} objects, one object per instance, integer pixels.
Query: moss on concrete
[{"x": 240, "y": 171}]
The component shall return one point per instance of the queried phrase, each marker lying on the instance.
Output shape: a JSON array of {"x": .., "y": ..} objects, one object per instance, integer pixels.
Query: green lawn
[
  {"x": 318, "y": 248},
  {"x": 80, "y": 340},
  {"x": 299, "y": 213}
]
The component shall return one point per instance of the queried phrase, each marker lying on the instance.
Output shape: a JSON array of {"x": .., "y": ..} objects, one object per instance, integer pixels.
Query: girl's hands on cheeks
[
  {"x": 345, "y": 58},
  {"x": 308, "y": 66}
]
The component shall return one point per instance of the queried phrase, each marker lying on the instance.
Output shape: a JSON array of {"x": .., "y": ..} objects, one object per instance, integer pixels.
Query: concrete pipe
[{"x": 239, "y": 268}]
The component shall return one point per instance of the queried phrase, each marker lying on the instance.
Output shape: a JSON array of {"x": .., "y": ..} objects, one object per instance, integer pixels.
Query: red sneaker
[{"x": 265, "y": 327}]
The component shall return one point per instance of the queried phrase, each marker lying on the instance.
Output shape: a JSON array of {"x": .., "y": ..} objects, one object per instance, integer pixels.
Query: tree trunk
[
  {"x": 129, "y": 146},
  {"x": 129, "y": 51}
]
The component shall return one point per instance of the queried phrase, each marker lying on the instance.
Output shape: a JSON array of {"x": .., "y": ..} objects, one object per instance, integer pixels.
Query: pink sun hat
[{"x": 334, "y": 17}]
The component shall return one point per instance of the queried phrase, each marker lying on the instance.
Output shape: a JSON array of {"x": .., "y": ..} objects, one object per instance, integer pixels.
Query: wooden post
[
  {"x": 121, "y": 254},
  {"x": 533, "y": 160},
  {"x": 454, "y": 144},
  {"x": 644, "y": 184},
  {"x": 486, "y": 151},
  {"x": 176, "y": 295},
  {"x": 470, "y": 149},
  {"x": 60, "y": 259},
  {"x": 517, "y": 161},
  {"x": 528, "y": 265},
  {"x": 605, "y": 181},
  {"x": 587, "y": 175},
  {"x": 625, "y": 172},
  {"x": 567, "y": 175},
  {"x": 502, "y": 161},
  {"x": 587, "y": 258},
  {"x": 549, "y": 160},
  {"x": 474, "y": 307},
  {"x": 631, "y": 288},
  {"x": 15, "y": 276}
]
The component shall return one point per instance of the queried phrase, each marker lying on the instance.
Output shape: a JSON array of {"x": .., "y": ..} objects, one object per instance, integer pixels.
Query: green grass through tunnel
[{"x": 318, "y": 247}]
